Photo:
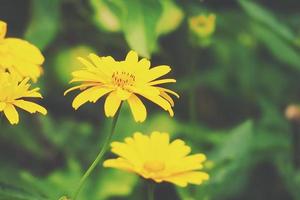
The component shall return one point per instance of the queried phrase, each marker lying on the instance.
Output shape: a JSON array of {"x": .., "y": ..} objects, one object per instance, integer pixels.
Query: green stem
[
  {"x": 99, "y": 156},
  {"x": 151, "y": 188}
]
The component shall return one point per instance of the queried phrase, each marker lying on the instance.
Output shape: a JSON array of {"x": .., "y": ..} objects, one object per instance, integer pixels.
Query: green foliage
[
  {"x": 44, "y": 22},
  {"x": 240, "y": 83}
]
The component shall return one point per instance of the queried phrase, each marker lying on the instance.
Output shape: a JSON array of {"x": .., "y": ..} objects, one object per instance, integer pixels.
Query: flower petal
[
  {"x": 138, "y": 109},
  {"x": 169, "y": 80},
  {"x": 111, "y": 105},
  {"x": 132, "y": 57},
  {"x": 30, "y": 106},
  {"x": 11, "y": 114},
  {"x": 157, "y": 72},
  {"x": 90, "y": 94},
  {"x": 24, "y": 50},
  {"x": 183, "y": 179},
  {"x": 3, "y": 29}
]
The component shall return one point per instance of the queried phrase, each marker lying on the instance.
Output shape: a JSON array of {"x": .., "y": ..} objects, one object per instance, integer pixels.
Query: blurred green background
[{"x": 234, "y": 91}]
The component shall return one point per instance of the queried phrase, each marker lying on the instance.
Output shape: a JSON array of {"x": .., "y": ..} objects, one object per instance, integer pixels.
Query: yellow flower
[
  {"x": 122, "y": 81},
  {"x": 13, "y": 93},
  {"x": 19, "y": 57},
  {"x": 202, "y": 25},
  {"x": 154, "y": 157}
]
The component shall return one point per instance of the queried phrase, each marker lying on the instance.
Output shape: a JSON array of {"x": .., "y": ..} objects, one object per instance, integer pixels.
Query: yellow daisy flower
[
  {"x": 203, "y": 25},
  {"x": 19, "y": 56},
  {"x": 122, "y": 81},
  {"x": 154, "y": 157},
  {"x": 12, "y": 94}
]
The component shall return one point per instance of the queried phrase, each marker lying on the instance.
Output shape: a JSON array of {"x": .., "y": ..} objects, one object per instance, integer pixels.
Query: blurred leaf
[
  {"x": 171, "y": 17},
  {"x": 280, "y": 49},
  {"x": 114, "y": 182},
  {"x": 66, "y": 62},
  {"x": 264, "y": 16},
  {"x": 8, "y": 192},
  {"x": 105, "y": 17},
  {"x": 230, "y": 159},
  {"x": 44, "y": 22},
  {"x": 139, "y": 21},
  {"x": 102, "y": 185}
]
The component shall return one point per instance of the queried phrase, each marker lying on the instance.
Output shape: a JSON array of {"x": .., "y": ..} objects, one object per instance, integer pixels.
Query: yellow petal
[
  {"x": 11, "y": 114},
  {"x": 118, "y": 163},
  {"x": 30, "y": 106},
  {"x": 3, "y": 29},
  {"x": 90, "y": 94},
  {"x": 183, "y": 179},
  {"x": 111, "y": 105},
  {"x": 167, "y": 97},
  {"x": 160, "y": 102},
  {"x": 162, "y": 81},
  {"x": 24, "y": 50},
  {"x": 123, "y": 94},
  {"x": 2, "y": 106},
  {"x": 144, "y": 63},
  {"x": 132, "y": 57},
  {"x": 137, "y": 107},
  {"x": 157, "y": 72},
  {"x": 82, "y": 86},
  {"x": 168, "y": 91}
]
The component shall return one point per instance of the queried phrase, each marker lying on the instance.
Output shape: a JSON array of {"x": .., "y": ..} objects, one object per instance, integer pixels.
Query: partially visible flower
[
  {"x": 122, "y": 81},
  {"x": 154, "y": 157},
  {"x": 203, "y": 25},
  {"x": 13, "y": 93},
  {"x": 19, "y": 56}
]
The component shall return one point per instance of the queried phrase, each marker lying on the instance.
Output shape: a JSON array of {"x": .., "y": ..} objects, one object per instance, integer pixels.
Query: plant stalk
[
  {"x": 99, "y": 156},
  {"x": 151, "y": 188}
]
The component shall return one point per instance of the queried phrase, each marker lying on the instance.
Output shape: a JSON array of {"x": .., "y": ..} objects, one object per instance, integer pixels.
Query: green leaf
[
  {"x": 44, "y": 22},
  {"x": 171, "y": 17},
  {"x": 8, "y": 192},
  {"x": 279, "y": 48},
  {"x": 139, "y": 25},
  {"x": 104, "y": 16},
  {"x": 264, "y": 16}
]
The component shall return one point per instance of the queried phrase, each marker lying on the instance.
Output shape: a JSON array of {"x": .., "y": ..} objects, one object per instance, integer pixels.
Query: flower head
[
  {"x": 13, "y": 94},
  {"x": 203, "y": 25},
  {"x": 123, "y": 81},
  {"x": 19, "y": 56},
  {"x": 154, "y": 157}
]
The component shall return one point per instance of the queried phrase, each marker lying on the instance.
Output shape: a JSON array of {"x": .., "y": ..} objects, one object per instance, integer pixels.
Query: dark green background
[{"x": 233, "y": 96}]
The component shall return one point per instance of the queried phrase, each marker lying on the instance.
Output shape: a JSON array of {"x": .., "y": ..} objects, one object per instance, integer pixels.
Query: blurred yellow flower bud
[
  {"x": 3, "y": 28},
  {"x": 203, "y": 25}
]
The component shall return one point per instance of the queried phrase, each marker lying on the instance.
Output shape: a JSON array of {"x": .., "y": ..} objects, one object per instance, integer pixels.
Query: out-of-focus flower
[
  {"x": 154, "y": 157},
  {"x": 203, "y": 25},
  {"x": 19, "y": 56},
  {"x": 122, "y": 81},
  {"x": 13, "y": 93},
  {"x": 292, "y": 112}
]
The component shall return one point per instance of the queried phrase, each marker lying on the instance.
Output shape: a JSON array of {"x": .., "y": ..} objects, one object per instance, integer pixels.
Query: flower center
[
  {"x": 122, "y": 79},
  {"x": 154, "y": 166}
]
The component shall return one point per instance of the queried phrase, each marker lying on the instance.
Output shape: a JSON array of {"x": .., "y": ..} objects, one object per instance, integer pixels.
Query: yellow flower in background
[
  {"x": 13, "y": 93},
  {"x": 122, "y": 81},
  {"x": 203, "y": 25},
  {"x": 154, "y": 157},
  {"x": 19, "y": 56}
]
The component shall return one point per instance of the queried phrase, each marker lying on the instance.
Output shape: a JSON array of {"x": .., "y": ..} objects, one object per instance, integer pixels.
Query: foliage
[{"x": 233, "y": 95}]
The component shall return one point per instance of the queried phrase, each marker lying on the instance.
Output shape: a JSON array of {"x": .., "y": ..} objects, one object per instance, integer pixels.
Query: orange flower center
[
  {"x": 122, "y": 79},
  {"x": 154, "y": 166}
]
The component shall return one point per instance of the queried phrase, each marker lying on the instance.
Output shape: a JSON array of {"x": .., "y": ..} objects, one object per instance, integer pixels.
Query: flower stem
[
  {"x": 99, "y": 156},
  {"x": 151, "y": 188}
]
